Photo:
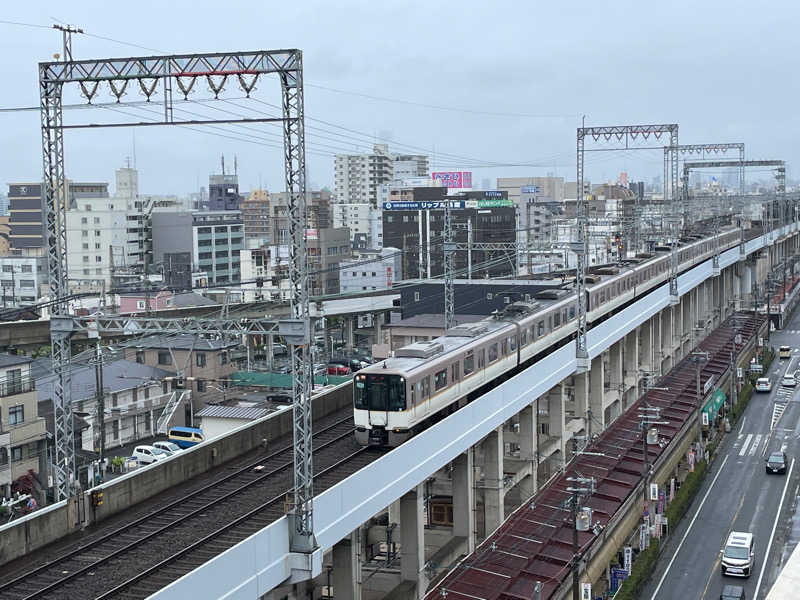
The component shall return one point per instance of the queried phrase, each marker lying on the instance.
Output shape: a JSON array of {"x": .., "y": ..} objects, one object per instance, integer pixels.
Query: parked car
[
  {"x": 146, "y": 455},
  {"x": 776, "y": 463},
  {"x": 168, "y": 447},
  {"x": 763, "y": 384}
]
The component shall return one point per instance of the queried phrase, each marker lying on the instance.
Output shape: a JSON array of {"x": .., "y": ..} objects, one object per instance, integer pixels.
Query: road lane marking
[
  {"x": 688, "y": 529},
  {"x": 719, "y": 556},
  {"x": 774, "y": 526},
  {"x": 756, "y": 444},
  {"x": 743, "y": 451},
  {"x": 742, "y": 427}
]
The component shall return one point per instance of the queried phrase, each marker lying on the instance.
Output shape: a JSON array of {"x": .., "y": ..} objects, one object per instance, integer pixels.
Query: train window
[
  {"x": 503, "y": 348},
  {"x": 413, "y": 387},
  {"x": 523, "y": 337},
  {"x": 380, "y": 392},
  {"x": 571, "y": 312},
  {"x": 603, "y": 296},
  {"x": 469, "y": 362},
  {"x": 619, "y": 287},
  {"x": 426, "y": 387},
  {"x": 550, "y": 323},
  {"x": 454, "y": 372},
  {"x": 540, "y": 329},
  {"x": 533, "y": 333},
  {"x": 440, "y": 380},
  {"x": 564, "y": 316},
  {"x": 557, "y": 319},
  {"x": 512, "y": 343},
  {"x": 492, "y": 353},
  {"x": 481, "y": 358}
]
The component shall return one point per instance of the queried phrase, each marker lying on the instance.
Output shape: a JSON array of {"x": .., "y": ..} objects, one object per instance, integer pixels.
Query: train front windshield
[{"x": 379, "y": 392}]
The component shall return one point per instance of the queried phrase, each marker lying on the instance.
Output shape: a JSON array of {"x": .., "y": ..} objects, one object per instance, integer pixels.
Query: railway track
[{"x": 188, "y": 531}]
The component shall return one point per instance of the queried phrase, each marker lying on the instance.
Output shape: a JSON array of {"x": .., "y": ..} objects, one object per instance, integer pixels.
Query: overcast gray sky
[{"x": 725, "y": 71}]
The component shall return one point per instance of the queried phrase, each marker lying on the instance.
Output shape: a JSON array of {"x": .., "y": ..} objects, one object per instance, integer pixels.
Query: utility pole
[
  {"x": 101, "y": 400},
  {"x": 66, "y": 32},
  {"x": 698, "y": 357},
  {"x": 576, "y": 491},
  {"x": 449, "y": 268},
  {"x": 469, "y": 248}
]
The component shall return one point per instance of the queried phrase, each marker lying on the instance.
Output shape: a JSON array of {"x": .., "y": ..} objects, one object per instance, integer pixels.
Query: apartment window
[
  {"x": 8, "y": 268},
  {"x": 16, "y": 414},
  {"x": 114, "y": 399},
  {"x": 201, "y": 385},
  {"x": 85, "y": 246},
  {"x": 98, "y": 259},
  {"x": 97, "y": 232},
  {"x": 26, "y": 283},
  {"x": 84, "y": 220},
  {"x": 86, "y": 271},
  {"x": 140, "y": 357},
  {"x": 140, "y": 304},
  {"x": 16, "y": 453},
  {"x": 27, "y": 269},
  {"x": 200, "y": 359},
  {"x": 97, "y": 245},
  {"x": 97, "y": 220},
  {"x": 115, "y": 429},
  {"x": 164, "y": 358},
  {"x": 223, "y": 358},
  {"x": 86, "y": 259},
  {"x": 204, "y": 242},
  {"x": 84, "y": 233}
]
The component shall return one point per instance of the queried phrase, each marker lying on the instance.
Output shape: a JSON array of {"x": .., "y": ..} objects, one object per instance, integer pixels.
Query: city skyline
[{"x": 448, "y": 100}]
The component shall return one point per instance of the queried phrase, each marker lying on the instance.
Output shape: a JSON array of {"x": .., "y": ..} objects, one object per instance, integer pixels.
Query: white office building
[
  {"x": 23, "y": 280},
  {"x": 363, "y": 274}
]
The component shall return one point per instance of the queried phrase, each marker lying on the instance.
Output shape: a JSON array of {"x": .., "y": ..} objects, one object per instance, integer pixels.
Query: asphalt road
[{"x": 739, "y": 496}]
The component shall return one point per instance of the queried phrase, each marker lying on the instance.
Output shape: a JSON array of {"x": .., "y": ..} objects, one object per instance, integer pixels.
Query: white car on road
[{"x": 763, "y": 384}]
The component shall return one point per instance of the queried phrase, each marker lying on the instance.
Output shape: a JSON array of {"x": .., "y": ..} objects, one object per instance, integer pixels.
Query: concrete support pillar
[
  {"x": 581, "y": 381},
  {"x": 349, "y": 333},
  {"x": 493, "y": 480},
  {"x": 555, "y": 399},
  {"x": 347, "y": 568},
  {"x": 655, "y": 340},
  {"x": 646, "y": 346},
  {"x": 631, "y": 368},
  {"x": 597, "y": 422},
  {"x": 412, "y": 539},
  {"x": 377, "y": 322},
  {"x": 528, "y": 450},
  {"x": 615, "y": 368},
  {"x": 464, "y": 498},
  {"x": 666, "y": 340}
]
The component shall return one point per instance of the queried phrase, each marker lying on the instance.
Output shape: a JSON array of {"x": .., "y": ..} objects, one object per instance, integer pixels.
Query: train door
[{"x": 378, "y": 400}]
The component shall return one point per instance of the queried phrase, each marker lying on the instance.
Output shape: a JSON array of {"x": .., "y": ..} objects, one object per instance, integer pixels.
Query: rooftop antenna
[
  {"x": 134, "y": 149},
  {"x": 235, "y": 165},
  {"x": 222, "y": 157}
]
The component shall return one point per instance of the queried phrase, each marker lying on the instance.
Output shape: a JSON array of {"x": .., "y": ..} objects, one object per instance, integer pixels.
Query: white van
[
  {"x": 738, "y": 555},
  {"x": 789, "y": 379}
]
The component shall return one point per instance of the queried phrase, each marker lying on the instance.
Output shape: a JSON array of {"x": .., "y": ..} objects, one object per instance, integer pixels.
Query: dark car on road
[
  {"x": 732, "y": 592},
  {"x": 776, "y": 463}
]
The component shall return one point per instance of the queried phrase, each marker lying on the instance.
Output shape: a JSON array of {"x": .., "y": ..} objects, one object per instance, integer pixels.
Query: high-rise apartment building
[
  {"x": 357, "y": 176},
  {"x": 318, "y": 207},
  {"x": 214, "y": 237},
  {"x": 255, "y": 217},
  {"x": 223, "y": 193}
]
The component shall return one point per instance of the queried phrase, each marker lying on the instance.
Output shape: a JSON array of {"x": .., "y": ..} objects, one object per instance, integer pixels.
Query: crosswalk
[
  {"x": 747, "y": 449},
  {"x": 777, "y": 412},
  {"x": 794, "y": 332}
]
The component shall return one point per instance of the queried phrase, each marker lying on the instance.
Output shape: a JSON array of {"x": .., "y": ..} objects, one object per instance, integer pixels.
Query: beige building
[
  {"x": 549, "y": 188},
  {"x": 22, "y": 431},
  {"x": 205, "y": 363}
]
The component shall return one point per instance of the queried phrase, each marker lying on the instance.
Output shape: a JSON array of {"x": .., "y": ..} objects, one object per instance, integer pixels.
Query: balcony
[{"x": 18, "y": 386}]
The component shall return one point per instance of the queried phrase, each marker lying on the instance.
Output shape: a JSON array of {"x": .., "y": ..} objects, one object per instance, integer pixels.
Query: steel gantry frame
[
  {"x": 629, "y": 134},
  {"x": 449, "y": 269},
  {"x": 780, "y": 179},
  {"x": 182, "y": 71}
]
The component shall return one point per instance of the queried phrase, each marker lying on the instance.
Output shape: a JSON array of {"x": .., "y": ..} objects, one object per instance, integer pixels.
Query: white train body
[{"x": 424, "y": 381}]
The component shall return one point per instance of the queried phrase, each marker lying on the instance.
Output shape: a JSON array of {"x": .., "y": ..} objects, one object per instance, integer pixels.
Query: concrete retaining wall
[{"x": 43, "y": 527}]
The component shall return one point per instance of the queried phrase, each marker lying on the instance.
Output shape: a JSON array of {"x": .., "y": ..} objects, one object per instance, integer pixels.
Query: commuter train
[{"x": 424, "y": 381}]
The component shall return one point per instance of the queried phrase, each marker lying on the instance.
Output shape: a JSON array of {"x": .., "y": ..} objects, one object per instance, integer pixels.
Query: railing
[{"x": 17, "y": 386}]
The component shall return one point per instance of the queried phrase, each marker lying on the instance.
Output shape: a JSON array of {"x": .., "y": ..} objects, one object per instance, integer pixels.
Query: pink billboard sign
[{"x": 453, "y": 179}]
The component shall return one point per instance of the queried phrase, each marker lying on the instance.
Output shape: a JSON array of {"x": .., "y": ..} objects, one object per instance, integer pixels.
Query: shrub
[
  {"x": 641, "y": 571},
  {"x": 684, "y": 496}
]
